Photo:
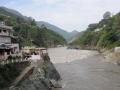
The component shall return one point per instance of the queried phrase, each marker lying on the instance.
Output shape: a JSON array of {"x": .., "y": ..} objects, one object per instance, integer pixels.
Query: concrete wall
[{"x": 5, "y": 39}]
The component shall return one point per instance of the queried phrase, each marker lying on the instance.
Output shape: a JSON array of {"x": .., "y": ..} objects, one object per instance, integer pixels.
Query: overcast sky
[{"x": 67, "y": 14}]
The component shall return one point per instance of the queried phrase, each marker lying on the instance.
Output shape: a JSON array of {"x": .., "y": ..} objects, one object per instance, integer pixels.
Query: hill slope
[
  {"x": 65, "y": 34},
  {"x": 60, "y": 31},
  {"x": 26, "y": 30},
  {"x": 102, "y": 35}
]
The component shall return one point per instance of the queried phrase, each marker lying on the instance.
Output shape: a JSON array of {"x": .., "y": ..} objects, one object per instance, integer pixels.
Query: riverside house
[{"x": 7, "y": 48}]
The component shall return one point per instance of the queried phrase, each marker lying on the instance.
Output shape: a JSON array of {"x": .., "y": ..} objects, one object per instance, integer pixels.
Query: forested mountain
[
  {"x": 75, "y": 37},
  {"x": 74, "y": 33},
  {"x": 102, "y": 35},
  {"x": 26, "y": 30},
  {"x": 65, "y": 34}
]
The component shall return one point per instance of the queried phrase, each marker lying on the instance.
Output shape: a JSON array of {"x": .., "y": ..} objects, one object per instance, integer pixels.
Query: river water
[{"x": 85, "y": 70}]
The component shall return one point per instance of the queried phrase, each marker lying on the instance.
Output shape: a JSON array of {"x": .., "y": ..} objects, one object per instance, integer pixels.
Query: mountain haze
[
  {"x": 65, "y": 34},
  {"x": 11, "y": 12},
  {"x": 14, "y": 13},
  {"x": 60, "y": 31},
  {"x": 18, "y": 15}
]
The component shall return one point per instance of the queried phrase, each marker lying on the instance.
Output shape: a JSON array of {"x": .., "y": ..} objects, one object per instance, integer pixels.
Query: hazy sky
[{"x": 67, "y": 14}]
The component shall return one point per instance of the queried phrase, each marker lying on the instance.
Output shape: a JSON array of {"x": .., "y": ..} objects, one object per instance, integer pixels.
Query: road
[{"x": 85, "y": 70}]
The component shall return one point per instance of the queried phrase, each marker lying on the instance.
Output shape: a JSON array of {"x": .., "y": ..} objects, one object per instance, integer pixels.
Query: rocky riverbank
[
  {"x": 40, "y": 78},
  {"x": 111, "y": 55},
  {"x": 85, "y": 70},
  {"x": 9, "y": 72}
]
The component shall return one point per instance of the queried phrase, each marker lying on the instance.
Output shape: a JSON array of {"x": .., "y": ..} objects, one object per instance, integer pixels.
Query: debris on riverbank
[
  {"x": 90, "y": 73},
  {"x": 111, "y": 56},
  {"x": 41, "y": 78}
]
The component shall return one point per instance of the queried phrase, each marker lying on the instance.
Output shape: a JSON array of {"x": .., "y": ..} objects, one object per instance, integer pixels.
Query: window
[{"x": 4, "y": 31}]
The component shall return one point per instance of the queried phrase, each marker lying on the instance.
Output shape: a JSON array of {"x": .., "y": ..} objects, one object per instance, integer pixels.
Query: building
[{"x": 7, "y": 48}]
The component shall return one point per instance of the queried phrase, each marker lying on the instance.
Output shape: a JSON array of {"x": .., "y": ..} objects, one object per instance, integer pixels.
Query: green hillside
[
  {"x": 102, "y": 35},
  {"x": 27, "y": 32},
  {"x": 65, "y": 34}
]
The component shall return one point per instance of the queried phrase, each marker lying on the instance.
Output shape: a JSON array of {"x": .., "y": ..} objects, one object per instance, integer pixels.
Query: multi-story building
[
  {"x": 6, "y": 33},
  {"x": 7, "y": 48}
]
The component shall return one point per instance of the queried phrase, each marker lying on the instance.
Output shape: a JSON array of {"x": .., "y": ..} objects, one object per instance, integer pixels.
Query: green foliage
[
  {"x": 9, "y": 72},
  {"x": 28, "y": 33},
  {"x": 108, "y": 37}
]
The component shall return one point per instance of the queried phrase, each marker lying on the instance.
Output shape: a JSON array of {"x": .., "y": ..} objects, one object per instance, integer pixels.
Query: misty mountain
[
  {"x": 65, "y": 34},
  {"x": 74, "y": 33},
  {"x": 26, "y": 29},
  {"x": 16, "y": 14},
  {"x": 12, "y": 11},
  {"x": 60, "y": 31}
]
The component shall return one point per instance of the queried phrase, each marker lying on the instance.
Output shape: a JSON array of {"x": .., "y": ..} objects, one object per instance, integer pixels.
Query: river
[{"x": 85, "y": 70}]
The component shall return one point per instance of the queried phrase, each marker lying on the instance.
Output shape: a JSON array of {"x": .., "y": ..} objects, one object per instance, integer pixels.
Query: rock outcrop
[{"x": 43, "y": 76}]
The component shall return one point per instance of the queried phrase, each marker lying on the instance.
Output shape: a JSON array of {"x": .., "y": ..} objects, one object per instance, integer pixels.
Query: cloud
[
  {"x": 11, "y": 3},
  {"x": 47, "y": 2},
  {"x": 68, "y": 14}
]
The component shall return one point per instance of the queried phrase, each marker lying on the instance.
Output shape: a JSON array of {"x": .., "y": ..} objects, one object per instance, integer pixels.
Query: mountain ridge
[
  {"x": 27, "y": 30},
  {"x": 17, "y": 14},
  {"x": 64, "y": 33}
]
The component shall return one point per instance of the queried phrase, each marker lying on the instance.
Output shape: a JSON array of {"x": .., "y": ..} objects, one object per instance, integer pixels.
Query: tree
[{"x": 107, "y": 15}]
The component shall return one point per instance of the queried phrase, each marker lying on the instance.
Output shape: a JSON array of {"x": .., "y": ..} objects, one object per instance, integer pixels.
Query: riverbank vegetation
[
  {"x": 9, "y": 72},
  {"x": 102, "y": 35}
]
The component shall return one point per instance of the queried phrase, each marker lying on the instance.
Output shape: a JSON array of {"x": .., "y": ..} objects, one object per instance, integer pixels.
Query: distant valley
[
  {"x": 64, "y": 33},
  {"x": 67, "y": 35}
]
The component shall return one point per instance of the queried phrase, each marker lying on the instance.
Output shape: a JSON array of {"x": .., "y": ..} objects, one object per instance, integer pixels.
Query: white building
[
  {"x": 6, "y": 46},
  {"x": 6, "y": 33}
]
